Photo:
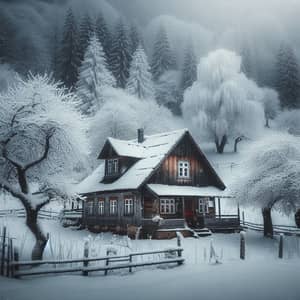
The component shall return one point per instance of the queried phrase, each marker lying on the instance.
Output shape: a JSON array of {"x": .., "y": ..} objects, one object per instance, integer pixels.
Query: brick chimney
[{"x": 140, "y": 133}]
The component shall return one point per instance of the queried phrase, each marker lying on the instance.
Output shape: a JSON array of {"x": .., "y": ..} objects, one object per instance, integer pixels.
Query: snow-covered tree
[
  {"x": 163, "y": 58},
  {"x": 140, "y": 78},
  {"x": 69, "y": 54},
  {"x": 86, "y": 30},
  {"x": 135, "y": 38},
  {"x": 168, "y": 91},
  {"x": 103, "y": 35},
  {"x": 120, "y": 56},
  {"x": 289, "y": 120},
  {"x": 94, "y": 76},
  {"x": 189, "y": 68},
  {"x": 288, "y": 78},
  {"x": 271, "y": 177},
  {"x": 271, "y": 104},
  {"x": 222, "y": 103},
  {"x": 122, "y": 114},
  {"x": 42, "y": 142}
]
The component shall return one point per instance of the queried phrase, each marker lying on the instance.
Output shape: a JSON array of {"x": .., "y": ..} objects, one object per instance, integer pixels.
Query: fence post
[
  {"x": 243, "y": 216},
  {"x": 15, "y": 267},
  {"x": 106, "y": 262},
  {"x": 9, "y": 257},
  {"x": 85, "y": 256},
  {"x": 130, "y": 261},
  {"x": 242, "y": 245},
  {"x": 3, "y": 250},
  {"x": 178, "y": 240},
  {"x": 280, "y": 252}
]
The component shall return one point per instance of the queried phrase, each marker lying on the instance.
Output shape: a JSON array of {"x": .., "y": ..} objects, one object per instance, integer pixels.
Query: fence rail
[
  {"x": 20, "y": 213},
  {"x": 278, "y": 229},
  {"x": 173, "y": 255}
]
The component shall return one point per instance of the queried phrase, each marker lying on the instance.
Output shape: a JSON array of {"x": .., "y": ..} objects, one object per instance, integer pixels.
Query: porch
[{"x": 184, "y": 207}]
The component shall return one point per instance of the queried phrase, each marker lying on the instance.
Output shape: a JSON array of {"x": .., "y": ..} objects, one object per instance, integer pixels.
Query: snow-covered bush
[
  {"x": 289, "y": 120},
  {"x": 223, "y": 103},
  {"x": 121, "y": 116},
  {"x": 42, "y": 146},
  {"x": 271, "y": 177}
]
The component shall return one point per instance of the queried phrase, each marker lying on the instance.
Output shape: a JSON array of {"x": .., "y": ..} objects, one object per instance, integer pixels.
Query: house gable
[{"x": 200, "y": 172}]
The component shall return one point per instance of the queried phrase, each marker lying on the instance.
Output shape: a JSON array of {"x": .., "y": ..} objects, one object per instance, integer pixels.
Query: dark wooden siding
[
  {"x": 168, "y": 172},
  {"x": 120, "y": 219}
]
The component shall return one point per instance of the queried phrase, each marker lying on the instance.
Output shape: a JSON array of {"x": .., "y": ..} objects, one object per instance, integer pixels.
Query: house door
[{"x": 190, "y": 211}]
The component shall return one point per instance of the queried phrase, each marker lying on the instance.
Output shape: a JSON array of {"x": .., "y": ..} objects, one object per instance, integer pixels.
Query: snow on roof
[
  {"x": 177, "y": 190},
  {"x": 151, "y": 151}
]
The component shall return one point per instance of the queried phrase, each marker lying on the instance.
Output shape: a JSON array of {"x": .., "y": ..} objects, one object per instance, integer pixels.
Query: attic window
[
  {"x": 183, "y": 169},
  {"x": 112, "y": 166}
]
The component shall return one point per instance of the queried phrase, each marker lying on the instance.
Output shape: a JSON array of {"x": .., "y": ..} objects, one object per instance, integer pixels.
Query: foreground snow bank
[{"x": 235, "y": 280}]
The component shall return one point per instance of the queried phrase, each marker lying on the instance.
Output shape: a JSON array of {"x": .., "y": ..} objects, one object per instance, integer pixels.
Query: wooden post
[
  {"x": 238, "y": 211},
  {"x": 85, "y": 255},
  {"x": 3, "y": 250},
  {"x": 9, "y": 257},
  {"x": 242, "y": 245},
  {"x": 130, "y": 261},
  {"x": 178, "y": 240},
  {"x": 219, "y": 207},
  {"x": 280, "y": 252},
  {"x": 243, "y": 217},
  {"x": 15, "y": 268}
]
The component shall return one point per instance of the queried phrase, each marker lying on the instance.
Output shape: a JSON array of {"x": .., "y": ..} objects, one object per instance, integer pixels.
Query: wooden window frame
[
  {"x": 113, "y": 212},
  {"x": 101, "y": 204},
  {"x": 129, "y": 207},
  {"x": 183, "y": 169},
  {"x": 167, "y": 206},
  {"x": 112, "y": 166},
  {"x": 203, "y": 203}
]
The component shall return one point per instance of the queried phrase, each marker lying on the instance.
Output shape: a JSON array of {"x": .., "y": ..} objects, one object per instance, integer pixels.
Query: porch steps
[
  {"x": 202, "y": 232},
  {"x": 172, "y": 224}
]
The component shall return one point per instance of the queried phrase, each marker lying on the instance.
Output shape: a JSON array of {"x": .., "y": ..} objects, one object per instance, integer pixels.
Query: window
[
  {"x": 203, "y": 205},
  {"x": 113, "y": 207},
  {"x": 167, "y": 206},
  {"x": 183, "y": 169},
  {"x": 90, "y": 207},
  {"x": 128, "y": 206},
  {"x": 101, "y": 206},
  {"x": 112, "y": 166}
]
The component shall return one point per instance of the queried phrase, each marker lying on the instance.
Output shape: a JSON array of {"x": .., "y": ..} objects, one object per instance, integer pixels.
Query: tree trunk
[
  {"x": 267, "y": 123},
  {"x": 40, "y": 238},
  {"x": 221, "y": 145},
  {"x": 268, "y": 225},
  {"x": 297, "y": 217}
]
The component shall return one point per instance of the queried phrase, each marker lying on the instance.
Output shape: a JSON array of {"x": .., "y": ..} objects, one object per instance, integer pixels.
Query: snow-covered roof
[
  {"x": 179, "y": 190},
  {"x": 151, "y": 152}
]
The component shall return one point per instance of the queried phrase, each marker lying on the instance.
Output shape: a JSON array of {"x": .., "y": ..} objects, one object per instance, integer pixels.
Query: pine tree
[
  {"x": 85, "y": 32},
  {"x": 54, "y": 52},
  {"x": 103, "y": 35},
  {"x": 120, "y": 57},
  {"x": 69, "y": 56},
  {"x": 287, "y": 78},
  {"x": 189, "y": 69},
  {"x": 135, "y": 38},
  {"x": 163, "y": 58},
  {"x": 140, "y": 80},
  {"x": 93, "y": 77}
]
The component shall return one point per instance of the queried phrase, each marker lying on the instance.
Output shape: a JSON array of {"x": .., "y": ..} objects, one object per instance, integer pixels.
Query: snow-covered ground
[{"x": 261, "y": 276}]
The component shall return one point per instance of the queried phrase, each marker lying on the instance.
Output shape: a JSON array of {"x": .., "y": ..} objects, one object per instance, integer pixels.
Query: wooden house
[{"x": 154, "y": 185}]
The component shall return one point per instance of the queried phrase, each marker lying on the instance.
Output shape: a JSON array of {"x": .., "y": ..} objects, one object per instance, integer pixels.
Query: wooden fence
[
  {"x": 83, "y": 265},
  {"x": 20, "y": 213},
  {"x": 6, "y": 253}
]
